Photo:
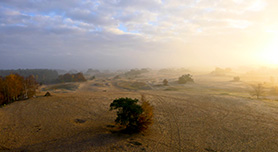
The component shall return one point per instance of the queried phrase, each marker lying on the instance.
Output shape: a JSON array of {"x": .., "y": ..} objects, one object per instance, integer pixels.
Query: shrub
[
  {"x": 165, "y": 82},
  {"x": 236, "y": 79},
  {"x": 132, "y": 116},
  {"x": 185, "y": 78},
  {"x": 146, "y": 118},
  {"x": 92, "y": 78}
]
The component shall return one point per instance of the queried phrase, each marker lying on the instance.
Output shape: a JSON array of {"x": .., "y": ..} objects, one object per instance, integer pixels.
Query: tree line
[
  {"x": 43, "y": 76},
  {"x": 77, "y": 77},
  {"x": 14, "y": 87}
]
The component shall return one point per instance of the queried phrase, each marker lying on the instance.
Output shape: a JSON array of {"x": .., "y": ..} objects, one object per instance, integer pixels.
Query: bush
[
  {"x": 185, "y": 78},
  {"x": 92, "y": 78},
  {"x": 146, "y": 118},
  {"x": 132, "y": 116},
  {"x": 165, "y": 82},
  {"x": 236, "y": 79}
]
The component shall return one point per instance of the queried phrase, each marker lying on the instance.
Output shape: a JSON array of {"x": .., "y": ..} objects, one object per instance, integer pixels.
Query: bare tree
[{"x": 258, "y": 90}]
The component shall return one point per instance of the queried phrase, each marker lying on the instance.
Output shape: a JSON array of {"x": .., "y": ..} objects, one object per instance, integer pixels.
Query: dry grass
[{"x": 205, "y": 118}]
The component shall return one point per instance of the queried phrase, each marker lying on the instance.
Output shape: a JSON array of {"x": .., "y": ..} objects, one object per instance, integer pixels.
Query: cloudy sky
[{"x": 66, "y": 34}]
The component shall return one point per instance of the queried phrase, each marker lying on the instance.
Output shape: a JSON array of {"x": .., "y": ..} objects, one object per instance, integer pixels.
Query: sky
[{"x": 115, "y": 34}]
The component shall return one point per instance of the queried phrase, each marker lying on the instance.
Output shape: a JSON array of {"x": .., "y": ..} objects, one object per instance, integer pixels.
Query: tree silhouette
[
  {"x": 185, "y": 78},
  {"x": 258, "y": 90}
]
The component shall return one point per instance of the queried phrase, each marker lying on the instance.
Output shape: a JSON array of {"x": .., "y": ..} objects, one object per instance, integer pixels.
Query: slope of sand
[{"x": 184, "y": 121}]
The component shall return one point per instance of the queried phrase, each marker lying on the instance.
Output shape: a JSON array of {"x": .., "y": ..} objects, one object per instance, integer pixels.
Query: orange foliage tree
[
  {"x": 2, "y": 99},
  {"x": 30, "y": 86},
  {"x": 13, "y": 84},
  {"x": 15, "y": 87},
  {"x": 78, "y": 77}
]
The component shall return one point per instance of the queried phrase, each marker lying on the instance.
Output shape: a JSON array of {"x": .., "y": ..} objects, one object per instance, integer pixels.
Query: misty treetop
[
  {"x": 78, "y": 77},
  {"x": 134, "y": 72},
  {"x": 185, "y": 78}
]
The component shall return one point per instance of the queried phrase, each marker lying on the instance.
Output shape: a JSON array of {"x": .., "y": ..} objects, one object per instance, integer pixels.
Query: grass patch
[
  {"x": 69, "y": 86},
  {"x": 137, "y": 85},
  {"x": 171, "y": 89},
  {"x": 224, "y": 93}
]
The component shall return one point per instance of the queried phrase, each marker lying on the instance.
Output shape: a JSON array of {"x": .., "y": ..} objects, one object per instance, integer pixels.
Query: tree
[
  {"x": 2, "y": 98},
  {"x": 131, "y": 115},
  {"x": 146, "y": 118},
  {"x": 13, "y": 86},
  {"x": 165, "y": 82},
  {"x": 185, "y": 78},
  {"x": 30, "y": 86},
  {"x": 79, "y": 77},
  {"x": 258, "y": 90}
]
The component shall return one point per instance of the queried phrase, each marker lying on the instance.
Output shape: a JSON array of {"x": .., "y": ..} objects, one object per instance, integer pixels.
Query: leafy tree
[
  {"x": 30, "y": 86},
  {"x": 131, "y": 115},
  {"x": 146, "y": 118},
  {"x": 185, "y": 78},
  {"x": 78, "y": 77},
  {"x": 2, "y": 98},
  {"x": 15, "y": 87}
]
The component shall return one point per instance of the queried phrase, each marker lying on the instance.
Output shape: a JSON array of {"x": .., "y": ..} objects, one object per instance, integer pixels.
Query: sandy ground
[{"x": 184, "y": 121}]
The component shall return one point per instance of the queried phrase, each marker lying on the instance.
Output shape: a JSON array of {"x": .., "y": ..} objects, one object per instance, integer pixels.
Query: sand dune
[{"x": 193, "y": 120}]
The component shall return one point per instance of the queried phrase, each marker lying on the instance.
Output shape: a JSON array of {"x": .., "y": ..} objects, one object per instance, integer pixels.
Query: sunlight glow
[{"x": 270, "y": 53}]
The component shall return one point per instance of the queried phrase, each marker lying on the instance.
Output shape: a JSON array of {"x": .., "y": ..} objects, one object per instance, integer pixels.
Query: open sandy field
[{"x": 208, "y": 115}]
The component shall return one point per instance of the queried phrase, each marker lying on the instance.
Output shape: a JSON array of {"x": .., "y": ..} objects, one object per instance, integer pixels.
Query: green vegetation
[
  {"x": 92, "y": 78},
  {"x": 136, "y": 72},
  {"x": 185, "y": 78},
  {"x": 132, "y": 116},
  {"x": 62, "y": 86},
  {"x": 171, "y": 89},
  {"x": 137, "y": 85}
]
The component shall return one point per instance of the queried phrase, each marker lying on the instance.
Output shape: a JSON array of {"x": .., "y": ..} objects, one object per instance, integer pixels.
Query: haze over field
[{"x": 146, "y": 33}]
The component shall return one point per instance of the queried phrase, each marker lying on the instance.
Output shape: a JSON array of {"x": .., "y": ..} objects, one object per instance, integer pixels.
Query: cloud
[{"x": 118, "y": 29}]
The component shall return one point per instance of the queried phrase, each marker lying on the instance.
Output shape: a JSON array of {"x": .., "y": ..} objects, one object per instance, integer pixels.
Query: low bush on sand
[{"x": 132, "y": 116}]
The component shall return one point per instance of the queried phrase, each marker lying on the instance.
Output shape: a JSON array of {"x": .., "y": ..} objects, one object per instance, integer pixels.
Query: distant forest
[{"x": 43, "y": 76}]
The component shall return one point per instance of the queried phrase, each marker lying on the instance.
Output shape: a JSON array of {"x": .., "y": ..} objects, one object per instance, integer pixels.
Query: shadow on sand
[{"x": 82, "y": 141}]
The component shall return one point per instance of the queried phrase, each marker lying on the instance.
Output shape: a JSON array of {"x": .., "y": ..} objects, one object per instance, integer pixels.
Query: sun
[{"x": 270, "y": 53}]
